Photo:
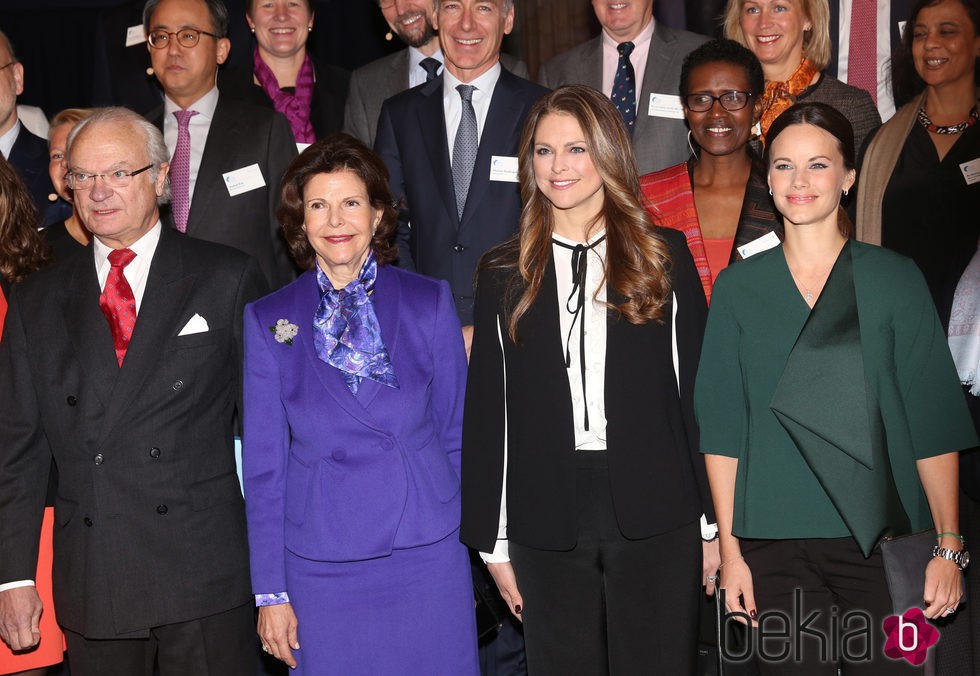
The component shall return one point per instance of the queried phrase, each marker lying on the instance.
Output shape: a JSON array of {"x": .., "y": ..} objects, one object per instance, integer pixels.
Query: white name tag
[
  {"x": 135, "y": 35},
  {"x": 901, "y": 28},
  {"x": 767, "y": 241},
  {"x": 243, "y": 180},
  {"x": 300, "y": 147},
  {"x": 666, "y": 105},
  {"x": 971, "y": 171},
  {"x": 503, "y": 168}
]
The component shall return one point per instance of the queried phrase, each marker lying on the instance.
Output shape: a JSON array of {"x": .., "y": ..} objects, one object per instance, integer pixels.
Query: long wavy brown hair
[
  {"x": 637, "y": 259},
  {"x": 22, "y": 251}
]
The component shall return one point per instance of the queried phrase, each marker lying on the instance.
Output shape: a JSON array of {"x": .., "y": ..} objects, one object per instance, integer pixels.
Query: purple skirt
[{"x": 408, "y": 613}]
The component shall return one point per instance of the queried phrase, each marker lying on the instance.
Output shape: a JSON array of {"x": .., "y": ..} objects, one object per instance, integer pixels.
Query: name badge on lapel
[
  {"x": 666, "y": 105},
  {"x": 243, "y": 180},
  {"x": 971, "y": 171},
  {"x": 135, "y": 35},
  {"x": 764, "y": 243},
  {"x": 503, "y": 168}
]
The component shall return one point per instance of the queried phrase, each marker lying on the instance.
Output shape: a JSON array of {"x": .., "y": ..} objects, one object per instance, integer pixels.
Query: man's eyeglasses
[
  {"x": 186, "y": 37},
  {"x": 701, "y": 102},
  {"x": 78, "y": 180}
]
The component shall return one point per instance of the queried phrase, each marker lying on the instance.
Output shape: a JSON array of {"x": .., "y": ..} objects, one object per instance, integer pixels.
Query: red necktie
[
  {"x": 862, "y": 49},
  {"x": 117, "y": 302}
]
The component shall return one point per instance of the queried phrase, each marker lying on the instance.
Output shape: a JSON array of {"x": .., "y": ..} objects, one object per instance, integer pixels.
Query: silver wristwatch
[{"x": 960, "y": 558}]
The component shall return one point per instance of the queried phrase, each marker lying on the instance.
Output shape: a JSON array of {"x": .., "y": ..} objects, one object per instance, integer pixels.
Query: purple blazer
[{"x": 334, "y": 477}]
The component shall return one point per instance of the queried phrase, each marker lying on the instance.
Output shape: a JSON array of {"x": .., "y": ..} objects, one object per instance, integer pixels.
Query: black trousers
[
  {"x": 825, "y": 578},
  {"x": 610, "y": 605},
  {"x": 218, "y": 645}
]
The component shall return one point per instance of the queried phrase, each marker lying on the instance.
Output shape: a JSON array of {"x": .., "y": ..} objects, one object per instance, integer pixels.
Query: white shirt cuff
[
  {"x": 500, "y": 553},
  {"x": 15, "y": 584},
  {"x": 708, "y": 530}
]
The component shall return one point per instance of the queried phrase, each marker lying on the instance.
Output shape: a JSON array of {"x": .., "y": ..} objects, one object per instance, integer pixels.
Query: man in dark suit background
[
  {"x": 655, "y": 55},
  {"x": 421, "y": 61},
  {"x": 123, "y": 364},
  {"x": 27, "y": 152},
  {"x": 449, "y": 220},
  {"x": 226, "y": 180}
]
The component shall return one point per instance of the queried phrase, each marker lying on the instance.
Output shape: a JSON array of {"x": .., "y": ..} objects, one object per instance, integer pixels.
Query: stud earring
[{"x": 845, "y": 192}]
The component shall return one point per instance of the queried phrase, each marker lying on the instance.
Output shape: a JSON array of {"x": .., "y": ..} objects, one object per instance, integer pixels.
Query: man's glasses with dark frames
[
  {"x": 186, "y": 37},
  {"x": 80, "y": 180}
]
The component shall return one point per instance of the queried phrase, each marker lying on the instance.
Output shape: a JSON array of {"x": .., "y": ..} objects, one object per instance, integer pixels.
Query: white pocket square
[{"x": 196, "y": 324}]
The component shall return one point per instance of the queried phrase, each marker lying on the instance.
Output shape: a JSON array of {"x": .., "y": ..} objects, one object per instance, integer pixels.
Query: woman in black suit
[{"x": 582, "y": 486}]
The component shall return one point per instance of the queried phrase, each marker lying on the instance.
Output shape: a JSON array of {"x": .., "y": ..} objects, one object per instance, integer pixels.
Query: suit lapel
[
  {"x": 398, "y": 76},
  {"x": 503, "y": 119},
  {"x": 386, "y": 299},
  {"x": 221, "y": 136},
  {"x": 592, "y": 65},
  {"x": 655, "y": 74},
  {"x": 166, "y": 292},
  {"x": 89, "y": 330},
  {"x": 432, "y": 122}
]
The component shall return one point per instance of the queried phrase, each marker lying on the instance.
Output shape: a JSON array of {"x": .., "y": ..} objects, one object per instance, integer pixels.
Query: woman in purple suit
[{"x": 354, "y": 382}]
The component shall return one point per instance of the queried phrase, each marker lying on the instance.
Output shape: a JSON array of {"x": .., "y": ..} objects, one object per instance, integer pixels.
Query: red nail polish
[
  {"x": 517, "y": 608},
  {"x": 752, "y": 614}
]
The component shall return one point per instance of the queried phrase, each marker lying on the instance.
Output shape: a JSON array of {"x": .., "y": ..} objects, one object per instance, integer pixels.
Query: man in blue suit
[
  {"x": 451, "y": 150},
  {"x": 27, "y": 152}
]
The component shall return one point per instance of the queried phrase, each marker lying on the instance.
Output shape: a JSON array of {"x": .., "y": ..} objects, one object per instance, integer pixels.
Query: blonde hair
[
  {"x": 816, "y": 41},
  {"x": 637, "y": 259}
]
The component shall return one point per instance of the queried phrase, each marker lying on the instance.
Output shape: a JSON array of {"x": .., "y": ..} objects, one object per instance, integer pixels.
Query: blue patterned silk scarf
[{"x": 346, "y": 333}]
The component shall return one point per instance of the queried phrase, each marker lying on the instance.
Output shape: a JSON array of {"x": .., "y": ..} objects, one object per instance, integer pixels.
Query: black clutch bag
[{"x": 905, "y": 559}]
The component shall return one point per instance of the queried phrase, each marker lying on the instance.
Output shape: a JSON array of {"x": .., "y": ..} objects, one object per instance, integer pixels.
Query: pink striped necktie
[
  {"x": 180, "y": 170},
  {"x": 862, "y": 49}
]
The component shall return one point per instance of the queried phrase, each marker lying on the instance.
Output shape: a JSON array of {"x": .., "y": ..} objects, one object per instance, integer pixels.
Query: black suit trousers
[{"x": 611, "y": 605}]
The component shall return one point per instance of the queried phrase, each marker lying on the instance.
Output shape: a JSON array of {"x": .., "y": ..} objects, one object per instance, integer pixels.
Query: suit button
[
  {"x": 162, "y": 509},
  {"x": 459, "y": 248},
  {"x": 72, "y": 400},
  {"x": 98, "y": 459},
  {"x": 177, "y": 385},
  {"x": 338, "y": 454},
  {"x": 87, "y": 521},
  {"x": 154, "y": 452},
  {"x": 387, "y": 444}
]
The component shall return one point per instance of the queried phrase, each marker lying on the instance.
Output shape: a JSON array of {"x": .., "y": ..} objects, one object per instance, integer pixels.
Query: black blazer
[
  {"x": 242, "y": 134},
  {"x": 657, "y": 475},
  {"x": 329, "y": 93},
  {"x": 149, "y": 518}
]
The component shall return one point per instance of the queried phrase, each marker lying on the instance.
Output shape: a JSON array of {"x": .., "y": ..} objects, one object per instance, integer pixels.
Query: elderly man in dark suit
[
  {"x": 640, "y": 61},
  {"x": 227, "y": 156},
  {"x": 123, "y": 364},
  {"x": 27, "y": 152},
  {"x": 420, "y": 62}
]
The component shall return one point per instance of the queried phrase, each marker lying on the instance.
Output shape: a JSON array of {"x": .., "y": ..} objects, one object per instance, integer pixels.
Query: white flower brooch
[{"x": 285, "y": 332}]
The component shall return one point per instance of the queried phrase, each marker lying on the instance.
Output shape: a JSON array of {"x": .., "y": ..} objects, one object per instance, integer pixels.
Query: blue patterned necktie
[
  {"x": 464, "y": 148},
  {"x": 346, "y": 333},
  {"x": 624, "y": 86}
]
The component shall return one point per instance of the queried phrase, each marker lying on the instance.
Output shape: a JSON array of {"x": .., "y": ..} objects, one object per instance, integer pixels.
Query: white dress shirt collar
[
  {"x": 8, "y": 140},
  {"x": 417, "y": 74},
  {"x": 204, "y": 106},
  {"x": 453, "y": 106},
  {"x": 138, "y": 270}
]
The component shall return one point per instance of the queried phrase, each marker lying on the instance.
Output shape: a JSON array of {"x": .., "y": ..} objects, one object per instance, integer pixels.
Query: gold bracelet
[{"x": 729, "y": 561}]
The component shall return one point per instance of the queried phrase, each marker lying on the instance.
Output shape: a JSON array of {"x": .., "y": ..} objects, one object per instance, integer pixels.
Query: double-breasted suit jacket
[
  {"x": 657, "y": 478},
  {"x": 242, "y": 134},
  {"x": 381, "y": 79},
  {"x": 149, "y": 521},
  {"x": 412, "y": 141},
  {"x": 331, "y": 476},
  {"x": 658, "y": 142}
]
